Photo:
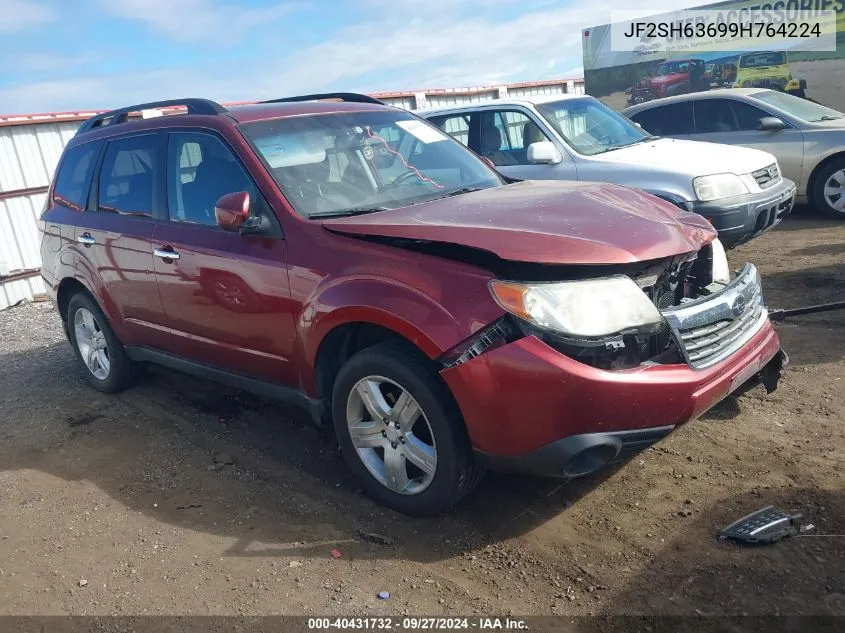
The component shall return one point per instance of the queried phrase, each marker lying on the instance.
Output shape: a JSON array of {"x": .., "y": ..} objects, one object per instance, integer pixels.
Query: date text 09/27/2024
[{"x": 417, "y": 623}]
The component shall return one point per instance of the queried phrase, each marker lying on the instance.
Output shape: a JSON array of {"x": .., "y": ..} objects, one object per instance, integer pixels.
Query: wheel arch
[
  {"x": 811, "y": 179},
  {"x": 68, "y": 287},
  {"x": 344, "y": 340}
]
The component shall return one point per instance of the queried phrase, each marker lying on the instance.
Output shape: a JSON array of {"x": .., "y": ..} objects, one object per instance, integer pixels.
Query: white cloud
[
  {"x": 196, "y": 20},
  {"x": 19, "y": 15},
  {"x": 400, "y": 51},
  {"x": 42, "y": 62}
]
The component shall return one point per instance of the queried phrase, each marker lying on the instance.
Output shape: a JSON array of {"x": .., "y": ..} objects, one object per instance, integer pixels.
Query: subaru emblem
[{"x": 738, "y": 306}]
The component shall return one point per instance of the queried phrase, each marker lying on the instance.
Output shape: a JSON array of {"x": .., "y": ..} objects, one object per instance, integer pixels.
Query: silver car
[
  {"x": 576, "y": 137},
  {"x": 807, "y": 138}
]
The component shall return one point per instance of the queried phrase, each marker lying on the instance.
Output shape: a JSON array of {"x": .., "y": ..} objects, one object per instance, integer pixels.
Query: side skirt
[{"x": 271, "y": 390}]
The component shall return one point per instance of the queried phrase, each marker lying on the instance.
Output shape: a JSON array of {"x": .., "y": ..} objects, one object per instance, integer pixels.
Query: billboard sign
[{"x": 796, "y": 46}]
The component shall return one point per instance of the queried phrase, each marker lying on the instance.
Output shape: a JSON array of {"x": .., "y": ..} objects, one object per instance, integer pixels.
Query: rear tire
[
  {"x": 105, "y": 365},
  {"x": 393, "y": 437},
  {"x": 829, "y": 189}
]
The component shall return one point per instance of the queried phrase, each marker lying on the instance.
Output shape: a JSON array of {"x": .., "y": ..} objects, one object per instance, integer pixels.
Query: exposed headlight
[
  {"x": 718, "y": 186},
  {"x": 594, "y": 307},
  {"x": 721, "y": 270}
]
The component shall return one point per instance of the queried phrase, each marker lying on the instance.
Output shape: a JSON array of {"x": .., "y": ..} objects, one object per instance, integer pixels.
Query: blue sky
[{"x": 71, "y": 54}]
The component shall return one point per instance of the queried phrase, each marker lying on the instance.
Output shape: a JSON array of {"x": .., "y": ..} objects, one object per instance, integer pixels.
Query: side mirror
[
  {"x": 543, "y": 152},
  {"x": 770, "y": 124},
  {"x": 232, "y": 210}
]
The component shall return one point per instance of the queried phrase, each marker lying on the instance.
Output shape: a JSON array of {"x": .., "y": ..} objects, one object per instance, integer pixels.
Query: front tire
[
  {"x": 105, "y": 365},
  {"x": 400, "y": 431},
  {"x": 829, "y": 189}
]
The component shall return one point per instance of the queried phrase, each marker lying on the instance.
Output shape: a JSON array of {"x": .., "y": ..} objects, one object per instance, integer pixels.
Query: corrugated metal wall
[
  {"x": 461, "y": 98},
  {"x": 530, "y": 91},
  {"x": 407, "y": 102},
  {"x": 441, "y": 98},
  {"x": 28, "y": 157}
]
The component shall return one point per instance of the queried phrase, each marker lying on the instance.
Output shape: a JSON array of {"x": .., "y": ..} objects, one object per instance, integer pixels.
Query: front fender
[{"x": 434, "y": 325}]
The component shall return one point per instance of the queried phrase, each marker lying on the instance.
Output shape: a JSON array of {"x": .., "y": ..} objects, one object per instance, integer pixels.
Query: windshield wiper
[
  {"x": 456, "y": 192},
  {"x": 340, "y": 213},
  {"x": 645, "y": 139},
  {"x": 828, "y": 117}
]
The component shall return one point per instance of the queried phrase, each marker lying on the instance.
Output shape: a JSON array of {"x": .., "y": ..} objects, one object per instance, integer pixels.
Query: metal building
[
  {"x": 31, "y": 144},
  {"x": 30, "y": 147},
  {"x": 444, "y": 97}
]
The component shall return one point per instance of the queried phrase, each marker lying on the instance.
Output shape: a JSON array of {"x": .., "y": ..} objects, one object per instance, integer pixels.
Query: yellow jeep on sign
[{"x": 763, "y": 70}]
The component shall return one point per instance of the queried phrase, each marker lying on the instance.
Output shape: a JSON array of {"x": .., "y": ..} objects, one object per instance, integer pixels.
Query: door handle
[
  {"x": 86, "y": 238},
  {"x": 166, "y": 253}
]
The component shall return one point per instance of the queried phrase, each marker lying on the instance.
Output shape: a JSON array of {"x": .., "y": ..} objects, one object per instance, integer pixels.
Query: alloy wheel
[
  {"x": 391, "y": 435},
  {"x": 91, "y": 343}
]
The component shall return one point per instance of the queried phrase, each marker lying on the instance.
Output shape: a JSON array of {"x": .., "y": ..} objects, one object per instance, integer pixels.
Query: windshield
[
  {"x": 357, "y": 162},
  {"x": 669, "y": 68},
  {"x": 590, "y": 127},
  {"x": 762, "y": 59},
  {"x": 797, "y": 107}
]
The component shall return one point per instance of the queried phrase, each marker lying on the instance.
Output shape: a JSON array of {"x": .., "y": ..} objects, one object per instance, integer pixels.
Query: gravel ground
[{"x": 182, "y": 497}]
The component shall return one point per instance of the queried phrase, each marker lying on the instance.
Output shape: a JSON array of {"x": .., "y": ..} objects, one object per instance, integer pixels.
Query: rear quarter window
[{"x": 73, "y": 180}]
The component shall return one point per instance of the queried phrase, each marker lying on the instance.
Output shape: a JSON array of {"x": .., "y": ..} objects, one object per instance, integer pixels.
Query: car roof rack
[
  {"x": 353, "y": 97},
  {"x": 113, "y": 117}
]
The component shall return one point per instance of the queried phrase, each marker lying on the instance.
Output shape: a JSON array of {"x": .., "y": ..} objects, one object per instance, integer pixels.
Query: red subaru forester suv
[{"x": 345, "y": 255}]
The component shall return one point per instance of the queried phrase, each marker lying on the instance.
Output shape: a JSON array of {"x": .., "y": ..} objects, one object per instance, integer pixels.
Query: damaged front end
[{"x": 703, "y": 317}]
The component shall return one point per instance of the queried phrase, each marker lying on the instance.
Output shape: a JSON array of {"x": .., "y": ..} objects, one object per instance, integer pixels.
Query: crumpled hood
[{"x": 554, "y": 222}]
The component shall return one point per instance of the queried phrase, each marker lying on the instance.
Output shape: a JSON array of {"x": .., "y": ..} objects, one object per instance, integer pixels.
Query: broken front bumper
[{"x": 529, "y": 408}]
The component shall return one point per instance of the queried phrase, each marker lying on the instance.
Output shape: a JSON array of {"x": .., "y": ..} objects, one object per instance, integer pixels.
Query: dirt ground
[{"x": 181, "y": 497}]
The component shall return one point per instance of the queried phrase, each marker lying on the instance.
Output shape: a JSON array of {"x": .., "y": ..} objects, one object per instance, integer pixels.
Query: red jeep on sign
[
  {"x": 350, "y": 257},
  {"x": 676, "y": 77}
]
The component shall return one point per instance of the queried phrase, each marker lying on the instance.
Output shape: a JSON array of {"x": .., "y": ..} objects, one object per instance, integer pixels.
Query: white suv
[{"x": 576, "y": 137}]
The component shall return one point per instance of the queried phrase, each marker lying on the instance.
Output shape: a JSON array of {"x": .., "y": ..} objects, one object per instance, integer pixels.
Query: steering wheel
[
  {"x": 602, "y": 138},
  {"x": 401, "y": 179}
]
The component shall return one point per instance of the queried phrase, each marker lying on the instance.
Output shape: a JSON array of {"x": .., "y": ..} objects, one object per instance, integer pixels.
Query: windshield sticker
[
  {"x": 291, "y": 149},
  {"x": 424, "y": 132}
]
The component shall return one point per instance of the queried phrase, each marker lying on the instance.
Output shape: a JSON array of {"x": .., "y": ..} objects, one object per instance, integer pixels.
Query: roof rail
[
  {"x": 112, "y": 117},
  {"x": 339, "y": 96}
]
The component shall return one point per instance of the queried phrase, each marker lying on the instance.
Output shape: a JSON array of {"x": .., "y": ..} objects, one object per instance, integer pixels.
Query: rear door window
[
  {"x": 674, "y": 119},
  {"x": 127, "y": 183},
  {"x": 73, "y": 181}
]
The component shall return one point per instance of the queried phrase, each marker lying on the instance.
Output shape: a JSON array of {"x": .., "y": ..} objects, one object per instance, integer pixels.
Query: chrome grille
[
  {"x": 711, "y": 328},
  {"x": 767, "y": 176}
]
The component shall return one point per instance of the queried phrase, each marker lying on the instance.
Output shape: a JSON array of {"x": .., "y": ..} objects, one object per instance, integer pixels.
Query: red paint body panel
[
  {"x": 226, "y": 300},
  {"x": 432, "y": 302},
  {"x": 554, "y": 222},
  {"x": 525, "y": 395},
  {"x": 118, "y": 268}
]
